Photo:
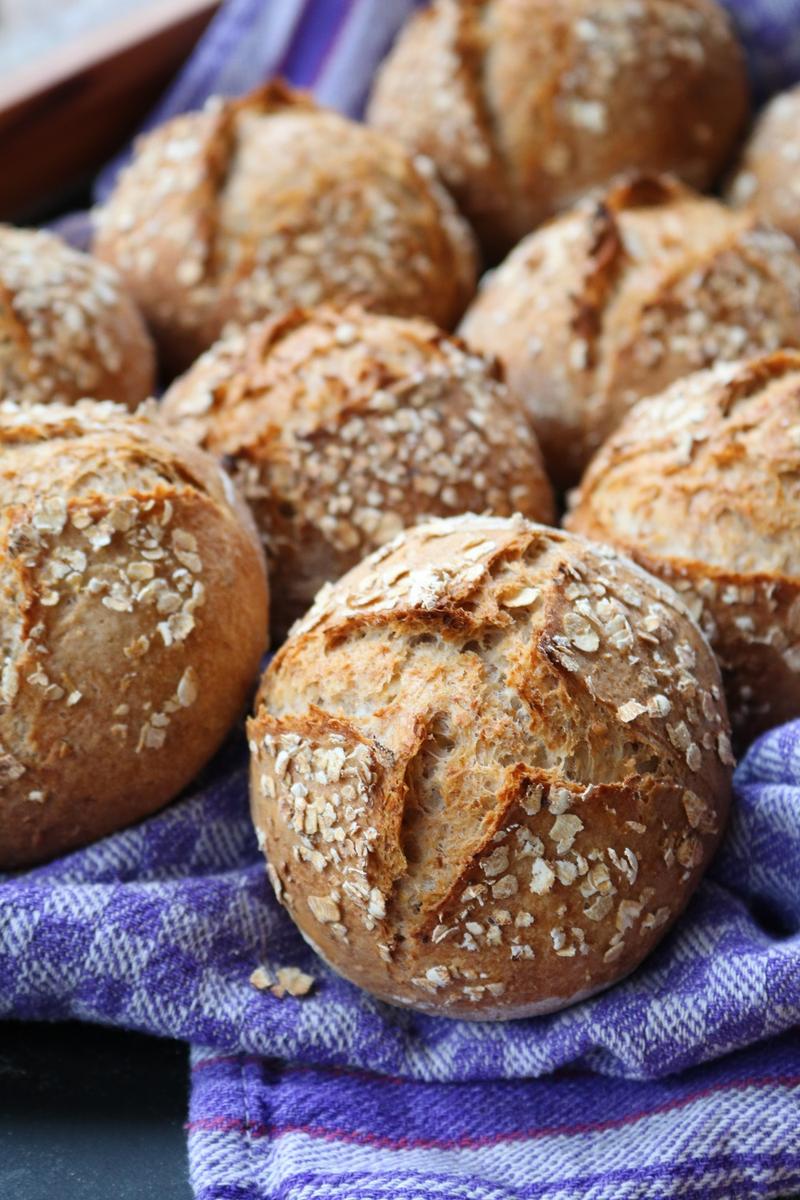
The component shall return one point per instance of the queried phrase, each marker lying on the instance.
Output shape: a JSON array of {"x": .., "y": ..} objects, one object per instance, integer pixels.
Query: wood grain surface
[{"x": 65, "y": 114}]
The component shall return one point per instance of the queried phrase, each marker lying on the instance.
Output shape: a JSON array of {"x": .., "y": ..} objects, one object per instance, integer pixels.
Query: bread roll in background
[
  {"x": 489, "y": 768},
  {"x": 701, "y": 485},
  {"x": 133, "y": 613},
  {"x": 767, "y": 178},
  {"x": 261, "y": 204},
  {"x": 67, "y": 327},
  {"x": 619, "y": 298},
  {"x": 341, "y": 428},
  {"x": 524, "y": 105}
]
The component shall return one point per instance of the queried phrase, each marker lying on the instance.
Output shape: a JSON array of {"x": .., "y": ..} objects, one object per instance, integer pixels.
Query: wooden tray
[{"x": 64, "y": 115}]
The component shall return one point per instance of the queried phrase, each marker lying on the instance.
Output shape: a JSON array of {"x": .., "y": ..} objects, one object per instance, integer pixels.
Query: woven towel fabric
[
  {"x": 337, "y": 1095},
  {"x": 261, "y": 1129},
  {"x": 159, "y": 928}
]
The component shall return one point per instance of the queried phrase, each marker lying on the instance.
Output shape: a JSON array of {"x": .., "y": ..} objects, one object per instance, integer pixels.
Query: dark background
[{"x": 91, "y": 1114}]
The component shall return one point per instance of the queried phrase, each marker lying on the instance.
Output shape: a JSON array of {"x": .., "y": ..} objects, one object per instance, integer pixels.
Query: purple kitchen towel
[
  {"x": 263, "y": 1128},
  {"x": 682, "y": 1081},
  {"x": 159, "y": 928}
]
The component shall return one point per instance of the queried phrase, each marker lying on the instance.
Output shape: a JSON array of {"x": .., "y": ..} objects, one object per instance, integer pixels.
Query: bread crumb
[
  {"x": 262, "y": 978},
  {"x": 294, "y": 981},
  {"x": 286, "y": 981}
]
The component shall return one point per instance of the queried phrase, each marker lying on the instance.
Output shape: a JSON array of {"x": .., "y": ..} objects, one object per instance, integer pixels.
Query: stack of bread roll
[{"x": 491, "y": 759}]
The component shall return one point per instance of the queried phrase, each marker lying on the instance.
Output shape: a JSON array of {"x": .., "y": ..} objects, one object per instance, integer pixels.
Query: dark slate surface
[{"x": 91, "y": 1114}]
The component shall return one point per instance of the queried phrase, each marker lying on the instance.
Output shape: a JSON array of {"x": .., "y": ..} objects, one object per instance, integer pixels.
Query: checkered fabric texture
[
  {"x": 159, "y": 928},
  {"x": 682, "y": 1081}
]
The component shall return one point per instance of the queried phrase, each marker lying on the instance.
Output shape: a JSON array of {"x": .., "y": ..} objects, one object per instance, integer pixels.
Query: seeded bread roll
[
  {"x": 767, "y": 179},
  {"x": 67, "y": 328},
  {"x": 124, "y": 659},
  {"x": 623, "y": 296},
  {"x": 341, "y": 428},
  {"x": 261, "y": 204},
  {"x": 489, "y": 768},
  {"x": 524, "y": 105},
  {"x": 701, "y": 485}
]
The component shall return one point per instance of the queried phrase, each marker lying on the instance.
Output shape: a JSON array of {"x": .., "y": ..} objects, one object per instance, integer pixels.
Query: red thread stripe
[{"x": 256, "y": 1130}]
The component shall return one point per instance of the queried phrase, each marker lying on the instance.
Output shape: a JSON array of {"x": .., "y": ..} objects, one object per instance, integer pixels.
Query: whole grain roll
[
  {"x": 701, "y": 485},
  {"x": 623, "y": 296},
  {"x": 341, "y": 428},
  {"x": 67, "y": 327},
  {"x": 767, "y": 179},
  {"x": 133, "y": 610},
  {"x": 489, "y": 768},
  {"x": 261, "y": 204},
  {"x": 524, "y": 105}
]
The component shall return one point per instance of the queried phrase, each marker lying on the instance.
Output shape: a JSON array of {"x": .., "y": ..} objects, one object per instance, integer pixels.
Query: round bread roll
[
  {"x": 341, "y": 428},
  {"x": 701, "y": 485},
  {"x": 489, "y": 768},
  {"x": 261, "y": 204},
  {"x": 123, "y": 658},
  {"x": 768, "y": 176},
  {"x": 623, "y": 296},
  {"x": 524, "y": 105},
  {"x": 67, "y": 328}
]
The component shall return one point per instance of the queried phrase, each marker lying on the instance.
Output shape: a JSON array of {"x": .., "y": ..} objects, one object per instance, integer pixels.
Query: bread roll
[
  {"x": 67, "y": 328},
  {"x": 341, "y": 428},
  {"x": 767, "y": 179},
  {"x": 621, "y": 297},
  {"x": 261, "y": 204},
  {"x": 524, "y": 105},
  {"x": 133, "y": 610},
  {"x": 489, "y": 768},
  {"x": 701, "y": 485}
]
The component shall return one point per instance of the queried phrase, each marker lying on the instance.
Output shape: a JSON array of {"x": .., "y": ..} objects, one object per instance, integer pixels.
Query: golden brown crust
[
  {"x": 123, "y": 662},
  {"x": 525, "y": 105},
  {"x": 343, "y": 427},
  {"x": 614, "y": 301},
  {"x": 767, "y": 178},
  {"x": 700, "y": 486},
  {"x": 489, "y": 767},
  {"x": 67, "y": 328},
  {"x": 260, "y": 204}
]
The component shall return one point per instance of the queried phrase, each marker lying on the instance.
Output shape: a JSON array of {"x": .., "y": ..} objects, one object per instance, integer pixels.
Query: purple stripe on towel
[
  {"x": 381, "y": 1110},
  {"x": 723, "y": 1130},
  {"x": 315, "y": 37}
]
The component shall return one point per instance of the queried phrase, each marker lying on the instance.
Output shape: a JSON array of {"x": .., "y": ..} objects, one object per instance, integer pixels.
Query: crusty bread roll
[
  {"x": 489, "y": 768},
  {"x": 701, "y": 485},
  {"x": 341, "y": 428},
  {"x": 133, "y": 609},
  {"x": 524, "y": 105},
  {"x": 768, "y": 176},
  {"x": 621, "y": 297},
  {"x": 67, "y": 327},
  {"x": 261, "y": 204}
]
